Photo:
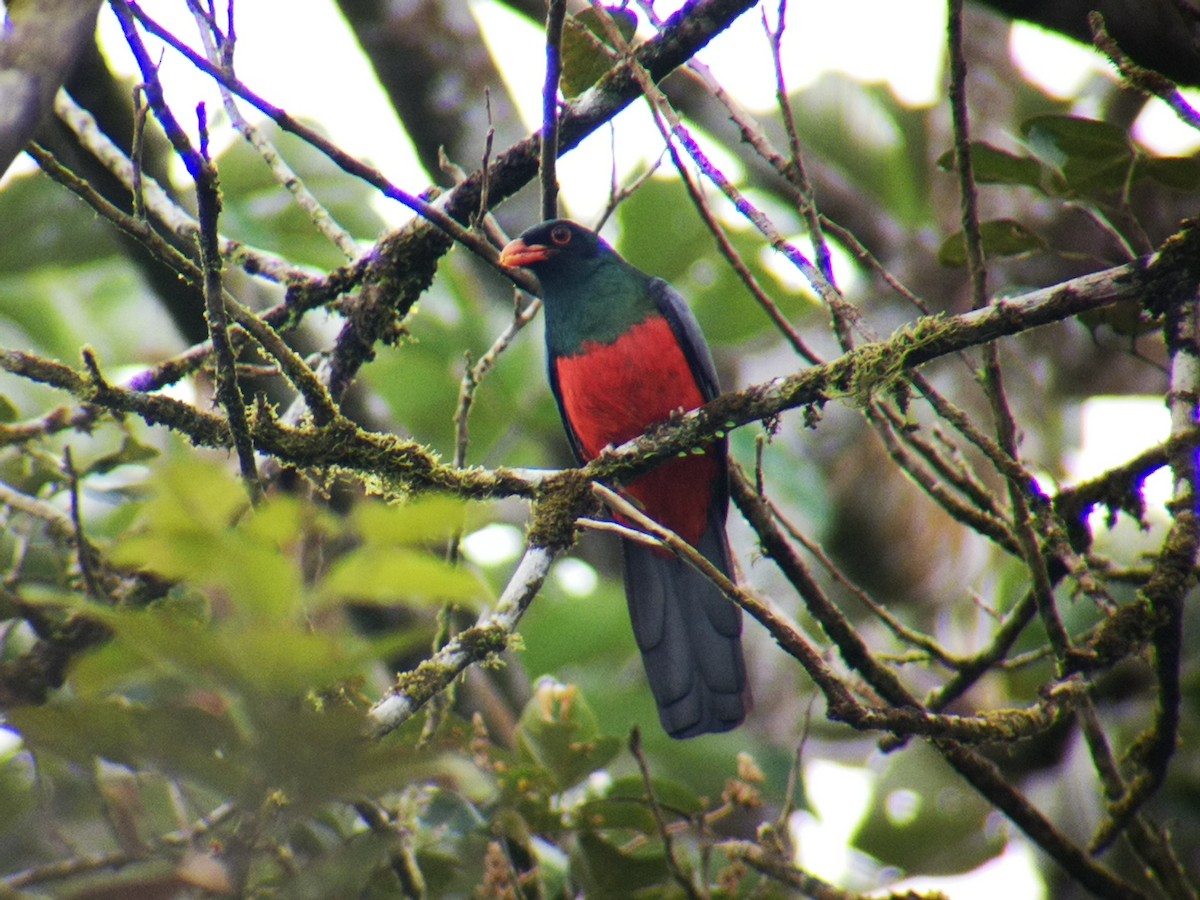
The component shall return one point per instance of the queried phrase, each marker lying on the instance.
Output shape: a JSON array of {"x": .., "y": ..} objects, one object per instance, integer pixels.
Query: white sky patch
[
  {"x": 1162, "y": 132},
  {"x": 274, "y": 58},
  {"x": 1057, "y": 65},
  {"x": 519, "y": 49},
  {"x": 575, "y": 577},
  {"x": 845, "y": 268},
  {"x": 839, "y": 796},
  {"x": 493, "y": 544},
  {"x": 1115, "y": 429},
  {"x": 900, "y": 44},
  {"x": 10, "y": 742},
  {"x": 1014, "y": 873}
]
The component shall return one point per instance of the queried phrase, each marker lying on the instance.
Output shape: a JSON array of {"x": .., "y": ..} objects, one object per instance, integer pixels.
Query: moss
[
  {"x": 1120, "y": 636},
  {"x": 423, "y": 682},
  {"x": 483, "y": 641},
  {"x": 560, "y": 502},
  {"x": 882, "y": 365},
  {"x": 1172, "y": 277}
]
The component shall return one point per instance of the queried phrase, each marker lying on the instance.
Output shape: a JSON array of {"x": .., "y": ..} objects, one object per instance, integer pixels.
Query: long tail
[{"x": 690, "y": 637}]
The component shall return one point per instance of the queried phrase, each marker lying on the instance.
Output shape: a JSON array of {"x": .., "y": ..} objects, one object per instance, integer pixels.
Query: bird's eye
[{"x": 560, "y": 235}]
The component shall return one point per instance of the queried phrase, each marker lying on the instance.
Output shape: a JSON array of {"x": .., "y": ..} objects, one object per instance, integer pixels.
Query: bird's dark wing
[{"x": 683, "y": 323}]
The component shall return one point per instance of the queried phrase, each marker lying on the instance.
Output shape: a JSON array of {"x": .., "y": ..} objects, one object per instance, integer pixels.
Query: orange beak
[{"x": 518, "y": 253}]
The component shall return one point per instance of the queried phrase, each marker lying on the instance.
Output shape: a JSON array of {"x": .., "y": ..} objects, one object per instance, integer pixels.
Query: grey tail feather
[{"x": 690, "y": 637}]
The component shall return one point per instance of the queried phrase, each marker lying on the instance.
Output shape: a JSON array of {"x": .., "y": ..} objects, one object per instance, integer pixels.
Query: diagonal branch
[{"x": 489, "y": 636}]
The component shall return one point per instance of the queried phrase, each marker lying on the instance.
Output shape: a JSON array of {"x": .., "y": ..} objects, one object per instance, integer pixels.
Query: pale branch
[
  {"x": 253, "y": 261},
  {"x": 487, "y": 638},
  {"x": 39, "y": 44},
  {"x": 1172, "y": 577},
  {"x": 219, "y": 48}
]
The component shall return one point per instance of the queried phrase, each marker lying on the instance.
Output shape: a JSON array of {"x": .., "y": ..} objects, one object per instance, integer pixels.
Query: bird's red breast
[{"x": 613, "y": 392}]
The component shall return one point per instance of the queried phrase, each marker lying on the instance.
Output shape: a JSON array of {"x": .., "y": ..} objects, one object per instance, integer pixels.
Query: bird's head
[
  {"x": 590, "y": 292},
  {"x": 558, "y": 252}
]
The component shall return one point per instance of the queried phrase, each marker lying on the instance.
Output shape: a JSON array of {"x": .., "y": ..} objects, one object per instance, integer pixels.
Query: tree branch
[{"x": 39, "y": 43}]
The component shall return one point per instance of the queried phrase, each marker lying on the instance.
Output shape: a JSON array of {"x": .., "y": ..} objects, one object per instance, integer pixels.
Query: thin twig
[
  {"x": 673, "y": 865},
  {"x": 548, "y": 166},
  {"x": 83, "y": 548},
  {"x": 219, "y": 49},
  {"x": 808, "y": 206},
  {"x": 229, "y": 392},
  {"x": 1146, "y": 80}
]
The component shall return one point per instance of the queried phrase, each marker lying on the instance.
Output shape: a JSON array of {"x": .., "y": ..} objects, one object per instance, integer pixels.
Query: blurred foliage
[{"x": 215, "y": 739}]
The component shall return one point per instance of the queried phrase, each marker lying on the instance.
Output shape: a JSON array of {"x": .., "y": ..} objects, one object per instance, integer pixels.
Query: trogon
[{"x": 624, "y": 354}]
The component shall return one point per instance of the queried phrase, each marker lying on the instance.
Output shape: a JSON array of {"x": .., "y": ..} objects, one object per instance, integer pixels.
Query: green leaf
[
  {"x": 261, "y": 212},
  {"x": 624, "y": 804},
  {"x": 1180, "y": 173},
  {"x": 184, "y": 740},
  {"x": 399, "y": 575},
  {"x": 131, "y": 452},
  {"x": 674, "y": 796},
  {"x": 255, "y": 576},
  {"x": 607, "y": 814},
  {"x": 1089, "y": 156},
  {"x": 192, "y": 531},
  {"x": 992, "y": 165},
  {"x": 877, "y": 143},
  {"x": 659, "y": 220},
  {"x": 18, "y": 790},
  {"x": 559, "y": 731},
  {"x": 57, "y": 309},
  {"x": 8, "y": 410},
  {"x": 1000, "y": 237},
  {"x": 423, "y": 521},
  {"x": 166, "y": 644},
  {"x": 604, "y": 870},
  {"x": 586, "y": 52},
  {"x": 56, "y": 229},
  {"x": 924, "y": 818}
]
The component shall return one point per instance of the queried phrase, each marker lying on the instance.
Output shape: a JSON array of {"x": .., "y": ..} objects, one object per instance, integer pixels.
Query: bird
[{"x": 625, "y": 353}]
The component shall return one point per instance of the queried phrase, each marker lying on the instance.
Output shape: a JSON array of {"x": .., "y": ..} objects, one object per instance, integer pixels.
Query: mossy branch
[{"x": 408, "y": 466}]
